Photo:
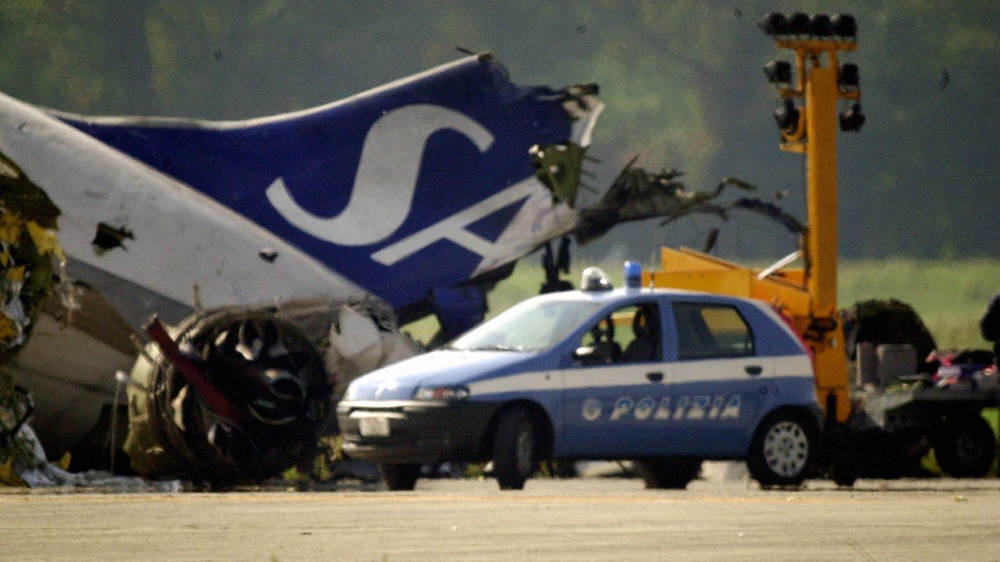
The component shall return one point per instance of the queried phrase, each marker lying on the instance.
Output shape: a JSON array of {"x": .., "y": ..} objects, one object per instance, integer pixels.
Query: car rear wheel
[
  {"x": 782, "y": 450},
  {"x": 400, "y": 476},
  {"x": 667, "y": 473},
  {"x": 515, "y": 450}
]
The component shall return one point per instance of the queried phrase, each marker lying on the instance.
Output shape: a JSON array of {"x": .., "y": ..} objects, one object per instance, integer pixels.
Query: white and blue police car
[{"x": 666, "y": 378}]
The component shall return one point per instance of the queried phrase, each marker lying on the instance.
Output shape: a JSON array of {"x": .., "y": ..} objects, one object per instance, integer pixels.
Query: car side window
[
  {"x": 600, "y": 339},
  {"x": 645, "y": 338},
  {"x": 707, "y": 330},
  {"x": 630, "y": 334}
]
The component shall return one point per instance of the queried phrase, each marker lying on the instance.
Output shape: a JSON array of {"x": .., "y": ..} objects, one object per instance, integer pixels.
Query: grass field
[{"x": 950, "y": 296}]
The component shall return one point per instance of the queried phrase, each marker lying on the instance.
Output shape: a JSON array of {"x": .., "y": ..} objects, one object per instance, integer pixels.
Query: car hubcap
[{"x": 786, "y": 449}]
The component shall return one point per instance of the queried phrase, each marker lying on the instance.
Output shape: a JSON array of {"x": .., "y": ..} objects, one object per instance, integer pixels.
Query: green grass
[{"x": 950, "y": 296}]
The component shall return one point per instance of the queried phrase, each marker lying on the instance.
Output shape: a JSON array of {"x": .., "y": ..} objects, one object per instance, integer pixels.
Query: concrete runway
[{"x": 580, "y": 519}]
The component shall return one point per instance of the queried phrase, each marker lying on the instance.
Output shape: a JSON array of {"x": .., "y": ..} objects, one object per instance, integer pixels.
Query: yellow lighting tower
[{"x": 808, "y": 118}]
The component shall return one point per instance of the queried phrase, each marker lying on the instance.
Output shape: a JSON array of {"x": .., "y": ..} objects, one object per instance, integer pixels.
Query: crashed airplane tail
[
  {"x": 413, "y": 187},
  {"x": 415, "y": 195}
]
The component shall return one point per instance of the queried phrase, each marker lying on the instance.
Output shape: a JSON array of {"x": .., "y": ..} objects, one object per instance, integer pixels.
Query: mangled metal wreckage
[{"x": 282, "y": 253}]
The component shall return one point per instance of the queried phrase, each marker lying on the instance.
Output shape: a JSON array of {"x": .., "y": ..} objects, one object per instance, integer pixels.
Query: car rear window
[{"x": 709, "y": 330}]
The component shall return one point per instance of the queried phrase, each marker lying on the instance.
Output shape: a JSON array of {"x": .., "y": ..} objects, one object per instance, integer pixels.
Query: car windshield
[{"x": 529, "y": 326}]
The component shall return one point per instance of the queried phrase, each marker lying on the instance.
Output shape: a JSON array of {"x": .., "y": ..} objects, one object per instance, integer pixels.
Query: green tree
[
  {"x": 56, "y": 57},
  {"x": 681, "y": 80}
]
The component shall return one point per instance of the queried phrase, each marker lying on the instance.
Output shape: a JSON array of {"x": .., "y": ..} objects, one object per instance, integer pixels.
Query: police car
[{"x": 666, "y": 378}]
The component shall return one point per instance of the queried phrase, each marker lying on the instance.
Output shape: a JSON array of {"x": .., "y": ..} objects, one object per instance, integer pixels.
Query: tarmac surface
[{"x": 577, "y": 519}]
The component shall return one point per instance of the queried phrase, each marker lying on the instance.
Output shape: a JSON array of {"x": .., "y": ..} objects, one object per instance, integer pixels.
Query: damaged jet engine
[
  {"x": 241, "y": 393},
  {"x": 239, "y": 397}
]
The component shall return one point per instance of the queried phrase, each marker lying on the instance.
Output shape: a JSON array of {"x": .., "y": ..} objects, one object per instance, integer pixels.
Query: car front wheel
[
  {"x": 782, "y": 450},
  {"x": 515, "y": 450}
]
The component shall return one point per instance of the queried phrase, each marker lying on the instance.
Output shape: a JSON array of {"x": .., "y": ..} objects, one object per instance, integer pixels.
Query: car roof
[{"x": 615, "y": 295}]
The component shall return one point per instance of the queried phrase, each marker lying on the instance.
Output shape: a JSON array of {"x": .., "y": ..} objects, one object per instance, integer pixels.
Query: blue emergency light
[{"x": 633, "y": 275}]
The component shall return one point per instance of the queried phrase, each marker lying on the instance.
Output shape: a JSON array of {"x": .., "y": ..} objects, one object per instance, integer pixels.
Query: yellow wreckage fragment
[
  {"x": 8, "y": 330},
  {"x": 16, "y": 274},
  {"x": 27, "y": 244},
  {"x": 8, "y": 476},
  {"x": 10, "y": 228},
  {"x": 46, "y": 241},
  {"x": 26, "y": 250}
]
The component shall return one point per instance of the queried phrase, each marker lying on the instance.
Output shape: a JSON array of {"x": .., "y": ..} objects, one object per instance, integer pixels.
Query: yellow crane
[{"x": 808, "y": 119}]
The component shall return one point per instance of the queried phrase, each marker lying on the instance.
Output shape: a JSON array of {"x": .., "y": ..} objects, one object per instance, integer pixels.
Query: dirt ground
[{"x": 579, "y": 519}]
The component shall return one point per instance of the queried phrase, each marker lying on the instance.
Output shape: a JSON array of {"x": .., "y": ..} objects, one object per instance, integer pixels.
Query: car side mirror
[{"x": 587, "y": 355}]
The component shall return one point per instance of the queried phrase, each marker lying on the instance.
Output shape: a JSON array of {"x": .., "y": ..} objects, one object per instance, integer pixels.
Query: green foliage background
[{"x": 681, "y": 80}]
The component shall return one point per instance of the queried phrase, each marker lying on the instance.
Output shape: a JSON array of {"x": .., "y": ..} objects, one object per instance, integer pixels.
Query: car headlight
[
  {"x": 351, "y": 392},
  {"x": 446, "y": 393}
]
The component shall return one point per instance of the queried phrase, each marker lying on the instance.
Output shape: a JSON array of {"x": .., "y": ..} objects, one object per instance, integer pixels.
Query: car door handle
[
  {"x": 753, "y": 370},
  {"x": 654, "y": 377}
]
